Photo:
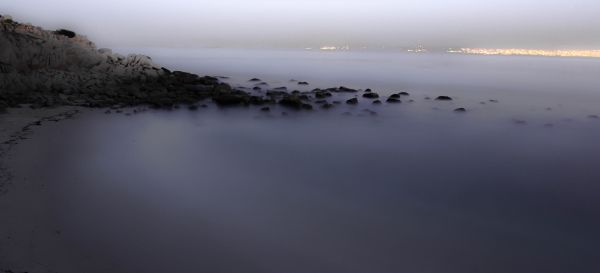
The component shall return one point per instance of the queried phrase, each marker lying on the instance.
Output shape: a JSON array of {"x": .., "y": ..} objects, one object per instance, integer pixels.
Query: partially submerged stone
[{"x": 443, "y": 98}]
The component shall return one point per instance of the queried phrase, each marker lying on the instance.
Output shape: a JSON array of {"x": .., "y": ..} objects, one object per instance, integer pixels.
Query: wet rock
[
  {"x": 460, "y": 110},
  {"x": 346, "y": 89},
  {"x": 427, "y": 98},
  {"x": 443, "y": 98},
  {"x": 371, "y": 95},
  {"x": 404, "y": 94},
  {"x": 393, "y": 100},
  {"x": 376, "y": 102},
  {"x": 302, "y": 83},
  {"x": 282, "y": 88},
  {"x": 395, "y": 96},
  {"x": 322, "y": 95},
  {"x": 254, "y": 80},
  {"x": 368, "y": 90},
  {"x": 256, "y": 88},
  {"x": 292, "y": 102},
  {"x": 352, "y": 101},
  {"x": 230, "y": 99}
]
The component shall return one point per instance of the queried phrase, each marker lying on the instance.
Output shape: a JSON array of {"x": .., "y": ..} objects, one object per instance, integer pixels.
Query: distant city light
[{"x": 529, "y": 52}]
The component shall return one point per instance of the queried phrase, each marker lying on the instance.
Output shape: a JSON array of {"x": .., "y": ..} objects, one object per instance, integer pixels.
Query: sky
[{"x": 547, "y": 24}]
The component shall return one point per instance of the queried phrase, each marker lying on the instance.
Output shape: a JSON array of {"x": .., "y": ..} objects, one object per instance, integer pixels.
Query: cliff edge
[{"x": 51, "y": 68}]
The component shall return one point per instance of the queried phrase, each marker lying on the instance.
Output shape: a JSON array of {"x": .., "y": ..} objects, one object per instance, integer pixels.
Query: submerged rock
[
  {"x": 346, "y": 89},
  {"x": 352, "y": 101},
  {"x": 460, "y": 110},
  {"x": 254, "y": 80},
  {"x": 376, "y": 102},
  {"x": 393, "y": 100},
  {"x": 327, "y": 106}
]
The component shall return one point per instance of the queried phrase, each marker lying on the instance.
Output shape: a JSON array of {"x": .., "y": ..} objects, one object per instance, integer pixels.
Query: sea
[{"x": 510, "y": 185}]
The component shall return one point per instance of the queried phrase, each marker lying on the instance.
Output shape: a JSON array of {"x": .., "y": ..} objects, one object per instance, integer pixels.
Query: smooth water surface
[{"x": 415, "y": 188}]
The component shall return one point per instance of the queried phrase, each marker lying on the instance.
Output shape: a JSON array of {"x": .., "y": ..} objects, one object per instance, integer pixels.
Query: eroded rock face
[{"x": 49, "y": 68}]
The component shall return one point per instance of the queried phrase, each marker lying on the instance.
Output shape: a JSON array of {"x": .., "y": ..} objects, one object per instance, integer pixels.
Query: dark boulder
[
  {"x": 393, "y": 100},
  {"x": 230, "y": 99},
  {"x": 291, "y": 102},
  {"x": 404, "y": 94},
  {"x": 254, "y": 80},
  {"x": 371, "y": 95},
  {"x": 322, "y": 95},
  {"x": 65, "y": 32},
  {"x": 352, "y": 101},
  {"x": 395, "y": 96},
  {"x": 460, "y": 110},
  {"x": 446, "y": 98},
  {"x": 302, "y": 83}
]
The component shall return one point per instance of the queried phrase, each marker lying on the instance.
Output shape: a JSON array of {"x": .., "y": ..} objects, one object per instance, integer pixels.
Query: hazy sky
[{"x": 309, "y": 23}]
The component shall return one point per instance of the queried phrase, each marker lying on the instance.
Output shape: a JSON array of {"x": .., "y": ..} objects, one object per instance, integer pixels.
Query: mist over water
[{"x": 416, "y": 188}]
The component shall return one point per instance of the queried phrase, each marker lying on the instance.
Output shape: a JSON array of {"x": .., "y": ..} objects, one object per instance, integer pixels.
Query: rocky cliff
[{"x": 47, "y": 68}]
